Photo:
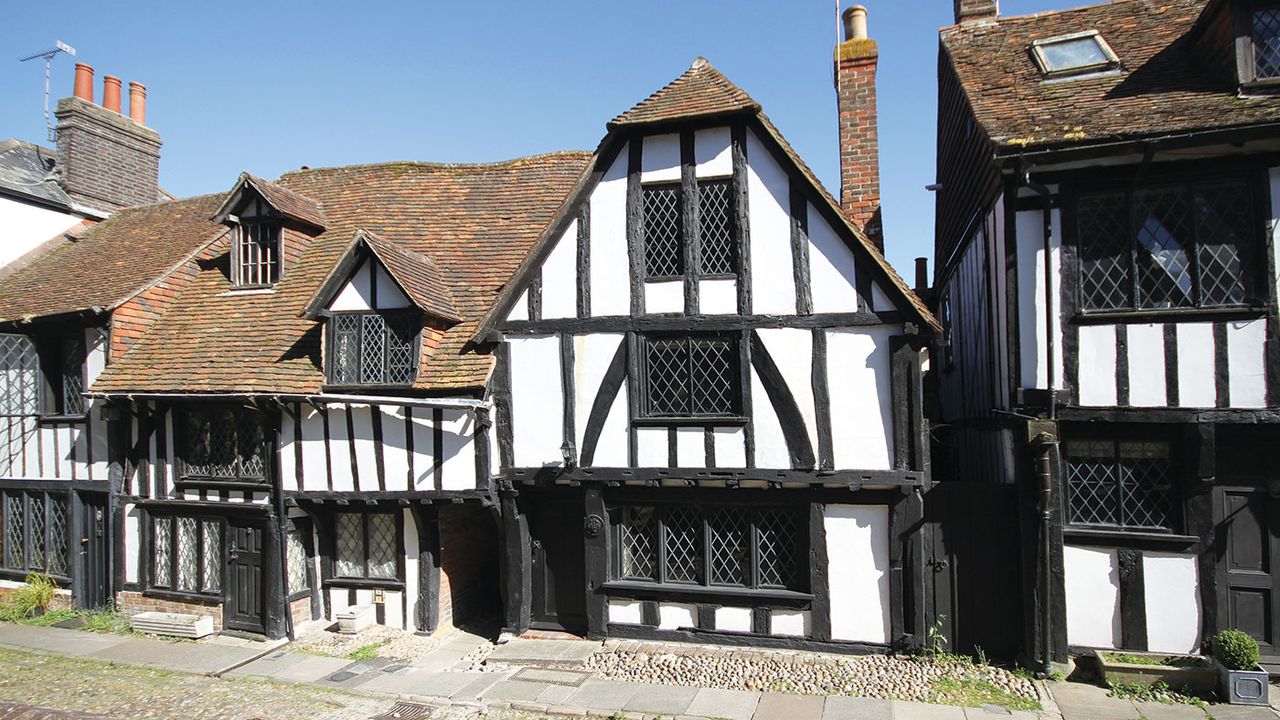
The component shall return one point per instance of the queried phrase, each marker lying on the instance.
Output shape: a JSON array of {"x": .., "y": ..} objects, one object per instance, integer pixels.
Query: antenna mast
[{"x": 48, "y": 55}]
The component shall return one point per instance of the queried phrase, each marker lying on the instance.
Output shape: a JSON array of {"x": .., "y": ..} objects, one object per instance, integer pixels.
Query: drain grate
[
  {"x": 567, "y": 678},
  {"x": 406, "y": 711}
]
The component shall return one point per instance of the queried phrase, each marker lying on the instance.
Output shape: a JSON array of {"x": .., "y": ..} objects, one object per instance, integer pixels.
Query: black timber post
[
  {"x": 427, "y": 520},
  {"x": 820, "y": 609},
  {"x": 1133, "y": 601},
  {"x": 902, "y": 398},
  {"x": 1201, "y": 443},
  {"x": 119, "y": 427},
  {"x": 596, "y": 534},
  {"x": 75, "y": 510},
  {"x": 517, "y": 578}
]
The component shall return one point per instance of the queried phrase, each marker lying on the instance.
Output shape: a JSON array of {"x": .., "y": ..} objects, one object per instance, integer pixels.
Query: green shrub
[
  {"x": 29, "y": 599},
  {"x": 1236, "y": 649}
]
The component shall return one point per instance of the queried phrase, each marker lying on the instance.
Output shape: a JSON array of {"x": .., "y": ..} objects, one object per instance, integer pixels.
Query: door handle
[{"x": 536, "y": 544}]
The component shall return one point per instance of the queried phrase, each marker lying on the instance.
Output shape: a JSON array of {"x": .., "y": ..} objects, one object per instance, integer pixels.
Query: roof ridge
[
  {"x": 435, "y": 165},
  {"x": 1011, "y": 19},
  {"x": 699, "y": 91}
]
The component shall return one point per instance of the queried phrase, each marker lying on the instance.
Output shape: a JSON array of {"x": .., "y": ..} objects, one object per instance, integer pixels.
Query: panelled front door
[
  {"x": 559, "y": 579},
  {"x": 1246, "y": 520},
  {"x": 92, "y": 551},
  {"x": 246, "y": 603}
]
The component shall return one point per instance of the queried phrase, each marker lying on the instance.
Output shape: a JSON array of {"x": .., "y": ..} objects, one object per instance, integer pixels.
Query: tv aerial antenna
[{"x": 47, "y": 56}]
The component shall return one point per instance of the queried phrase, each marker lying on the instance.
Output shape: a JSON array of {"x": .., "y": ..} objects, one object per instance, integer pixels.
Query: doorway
[
  {"x": 245, "y": 608},
  {"x": 1245, "y": 519},
  {"x": 92, "y": 548},
  {"x": 559, "y": 578}
]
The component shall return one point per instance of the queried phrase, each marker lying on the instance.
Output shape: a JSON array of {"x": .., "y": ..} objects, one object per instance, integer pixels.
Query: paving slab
[
  {"x": 555, "y": 694},
  {"x": 418, "y": 682},
  {"x": 1242, "y": 712},
  {"x": 776, "y": 706},
  {"x": 924, "y": 711},
  {"x": 840, "y": 707},
  {"x": 729, "y": 704},
  {"x": 141, "y": 651},
  {"x": 269, "y": 665},
  {"x": 515, "y": 691},
  {"x": 661, "y": 699},
  {"x": 212, "y": 659},
  {"x": 310, "y": 669},
  {"x": 543, "y": 651},
  {"x": 555, "y": 677},
  {"x": 1174, "y": 712},
  {"x": 602, "y": 695},
  {"x": 477, "y": 685}
]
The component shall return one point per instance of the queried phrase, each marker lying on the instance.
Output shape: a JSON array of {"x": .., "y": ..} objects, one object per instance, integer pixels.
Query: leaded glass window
[
  {"x": 1118, "y": 483},
  {"x": 33, "y": 532},
  {"x": 186, "y": 554},
  {"x": 663, "y": 231},
  {"x": 1265, "y": 28},
  {"x": 374, "y": 348},
  {"x": 716, "y": 545},
  {"x": 72, "y": 375},
  {"x": 296, "y": 560},
  {"x": 1167, "y": 247},
  {"x": 691, "y": 376},
  {"x": 257, "y": 254},
  {"x": 367, "y": 546},
  {"x": 19, "y": 375},
  {"x": 715, "y": 227},
  {"x": 223, "y": 444}
]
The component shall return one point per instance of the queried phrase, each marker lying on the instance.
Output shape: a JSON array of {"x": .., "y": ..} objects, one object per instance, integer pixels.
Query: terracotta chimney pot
[
  {"x": 855, "y": 23},
  {"x": 111, "y": 93},
  {"x": 138, "y": 103},
  {"x": 84, "y": 82}
]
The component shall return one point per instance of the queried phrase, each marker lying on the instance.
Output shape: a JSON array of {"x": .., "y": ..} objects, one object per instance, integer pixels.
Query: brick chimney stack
[
  {"x": 856, "y": 60},
  {"x": 107, "y": 160},
  {"x": 971, "y": 11}
]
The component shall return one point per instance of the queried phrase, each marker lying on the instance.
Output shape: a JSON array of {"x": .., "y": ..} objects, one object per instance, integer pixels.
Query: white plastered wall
[
  {"x": 858, "y": 365},
  {"x": 536, "y": 402},
  {"x": 1172, "y": 594},
  {"x": 1092, "y": 579},
  {"x": 773, "y": 283},
  {"x": 1033, "y": 336},
  {"x": 858, "y": 571},
  {"x": 27, "y": 226}
]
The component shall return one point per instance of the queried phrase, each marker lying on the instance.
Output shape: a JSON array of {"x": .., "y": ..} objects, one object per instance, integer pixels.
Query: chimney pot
[
  {"x": 855, "y": 23},
  {"x": 138, "y": 103},
  {"x": 84, "y": 82},
  {"x": 922, "y": 274},
  {"x": 111, "y": 93}
]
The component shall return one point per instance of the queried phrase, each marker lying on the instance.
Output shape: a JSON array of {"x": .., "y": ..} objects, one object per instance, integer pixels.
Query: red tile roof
[
  {"x": 700, "y": 91},
  {"x": 1164, "y": 86},
  {"x": 418, "y": 275},
  {"x": 290, "y": 204},
  {"x": 477, "y": 221}
]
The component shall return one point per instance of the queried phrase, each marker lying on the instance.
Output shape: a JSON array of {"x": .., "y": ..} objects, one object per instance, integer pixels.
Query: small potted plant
[{"x": 1240, "y": 679}]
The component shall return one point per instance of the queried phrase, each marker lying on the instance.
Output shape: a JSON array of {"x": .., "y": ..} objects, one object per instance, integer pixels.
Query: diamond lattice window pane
[
  {"x": 162, "y": 546},
  {"x": 382, "y": 546},
  {"x": 350, "y": 545},
  {"x": 402, "y": 360},
  {"x": 1092, "y": 492},
  {"x": 1146, "y": 488},
  {"x": 667, "y": 365},
  {"x": 730, "y": 553},
  {"x": 1104, "y": 251},
  {"x": 57, "y": 564},
  {"x": 1126, "y": 484},
  {"x": 1223, "y": 220},
  {"x": 345, "y": 357},
  {"x": 249, "y": 439},
  {"x": 211, "y": 556},
  {"x": 15, "y": 533},
  {"x": 1164, "y": 235},
  {"x": 1266, "y": 43},
  {"x": 19, "y": 375},
  {"x": 713, "y": 366},
  {"x": 715, "y": 227},
  {"x": 778, "y": 548},
  {"x": 663, "y": 232},
  {"x": 373, "y": 330},
  {"x": 296, "y": 559},
  {"x": 683, "y": 544},
  {"x": 188, "y": 555},
  {"x": 36, "y": 518},
  {"x": 73, "y": 375},
  {"x": 637, "y": 537}
]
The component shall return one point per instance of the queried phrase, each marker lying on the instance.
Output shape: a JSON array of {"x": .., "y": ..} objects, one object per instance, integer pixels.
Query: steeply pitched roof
[
  {"x": 1163, "y": 85},
  {"x": 25, "y": 172},
  {"x": 700, "y": 91},
  {"x": 110, "y": 262},
  {"x": 417, "y": 275},
  {"x": 477, "y": 221},
  {"x": 288, "y": 203},
  {"x": 703, "y": 91}
]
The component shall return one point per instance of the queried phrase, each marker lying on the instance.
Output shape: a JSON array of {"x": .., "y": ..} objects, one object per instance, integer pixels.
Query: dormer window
[
  {"x": 1264, "y": 29},
  {"x": 373, "y": 348},
  {"x": 1074, "y": 54},
  {"x": 255, "y": 258}
]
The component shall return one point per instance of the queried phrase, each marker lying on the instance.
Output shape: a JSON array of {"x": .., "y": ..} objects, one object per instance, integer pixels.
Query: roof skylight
[{"x": 1074, "y": 54}]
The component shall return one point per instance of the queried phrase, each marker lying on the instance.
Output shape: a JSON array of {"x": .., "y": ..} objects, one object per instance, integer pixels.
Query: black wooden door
[
  {"x": 559, "y": 578},
  {"x": 92, "y": 547},
  {"x": 1246, "y": 536},
  {"x": 245, "y": 606}
]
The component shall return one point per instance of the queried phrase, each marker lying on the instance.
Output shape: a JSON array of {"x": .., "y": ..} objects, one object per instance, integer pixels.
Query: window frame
[
  {"x": 1246, "y": 45},
  {"x": 54, "y": 349},
  {"x": 182, "y": 429},
  {"x": 1111, "y": 62},
  {"x": 682, "y": 246},
  {"x": 1173, "y": 491},
  {"x": 8, "y": 571},
  {"x": 1187, "y": 180},
  {"x": 644, "y": 411},
  {"x": 149, "y": 557},
  {"x": 238, "y": 242},
  {"x": 660, "y": 579},
  {"x": 365, "y": 580},
  {"x": 305, "y": 530},
  {"x": 414, "y": 317}
]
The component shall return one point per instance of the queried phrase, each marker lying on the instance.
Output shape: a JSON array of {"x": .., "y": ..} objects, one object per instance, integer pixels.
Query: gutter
[
  {"x": 467, "y": 404},
  {"x": 1010, "y": 151}
]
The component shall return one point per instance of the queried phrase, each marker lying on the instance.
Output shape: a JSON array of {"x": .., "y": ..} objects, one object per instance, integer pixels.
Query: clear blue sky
[{"x": 269, "y": 86}]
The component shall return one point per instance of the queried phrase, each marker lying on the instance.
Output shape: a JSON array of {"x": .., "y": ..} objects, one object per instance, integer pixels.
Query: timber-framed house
[
  {"x": 707, "y": 398},
  {"x": 1106, "y": 277}
]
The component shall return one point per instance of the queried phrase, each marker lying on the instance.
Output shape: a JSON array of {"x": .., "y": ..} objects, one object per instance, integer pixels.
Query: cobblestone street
[{"x": 131, "y": 692}]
